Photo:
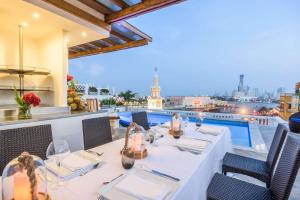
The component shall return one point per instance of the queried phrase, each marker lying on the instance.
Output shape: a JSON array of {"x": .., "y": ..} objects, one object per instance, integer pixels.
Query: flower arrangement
[
  {"x": 73, "y": 99},
  {"x": 69, "y": 78},
  {"x": 25, "y": 103}
]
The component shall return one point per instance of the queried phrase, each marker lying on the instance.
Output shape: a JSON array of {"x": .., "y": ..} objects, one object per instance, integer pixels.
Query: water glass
[
  {"x": 127, "y": 159},
  {"x": 57, "y": 151},
  {"x": 185, "y": 121}
]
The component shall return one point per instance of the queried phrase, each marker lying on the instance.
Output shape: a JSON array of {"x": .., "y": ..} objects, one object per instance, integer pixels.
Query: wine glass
[
  {"x": 151, "y": 137},
  {"x": 185, "y": 120},
  {"x": 199, "y": 119},
  {"x": 57, "y": 151}
]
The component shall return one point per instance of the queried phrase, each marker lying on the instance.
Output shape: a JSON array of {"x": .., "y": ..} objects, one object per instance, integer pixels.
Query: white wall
[
  {"x": 54, "y": 56},
  {"x": 49, "y": 52}
]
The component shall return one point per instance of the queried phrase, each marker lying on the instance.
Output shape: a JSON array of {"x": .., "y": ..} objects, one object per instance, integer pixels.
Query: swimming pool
[{"x": 240, "y": 134}]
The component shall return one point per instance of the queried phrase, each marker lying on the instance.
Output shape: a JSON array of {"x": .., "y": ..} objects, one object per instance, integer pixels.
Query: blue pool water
[{"x": 240, "y": 134}]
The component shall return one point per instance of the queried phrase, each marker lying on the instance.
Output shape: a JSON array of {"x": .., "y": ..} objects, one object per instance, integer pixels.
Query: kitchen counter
[
  {"x": 43, "y": 117},
  {"x": 67, "y": 126}
]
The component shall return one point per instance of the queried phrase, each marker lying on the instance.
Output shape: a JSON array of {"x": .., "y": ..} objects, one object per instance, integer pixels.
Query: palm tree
[{"x": 128, "y": 95}]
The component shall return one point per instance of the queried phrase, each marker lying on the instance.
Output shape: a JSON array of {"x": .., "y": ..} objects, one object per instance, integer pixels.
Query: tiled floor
[{"x": 267, "y": 134}]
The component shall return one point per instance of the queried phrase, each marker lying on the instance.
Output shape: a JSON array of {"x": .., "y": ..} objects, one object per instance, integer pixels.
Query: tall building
[
  {"x": 241, "y": 83},
  {"x": 155, "y": 100},
  {"x": 256, "y": 92},
  {"x": 241, "y": 92}
]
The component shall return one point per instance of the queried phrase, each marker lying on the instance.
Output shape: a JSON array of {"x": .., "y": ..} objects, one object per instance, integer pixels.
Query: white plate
[{"x": 110, "y": 192}]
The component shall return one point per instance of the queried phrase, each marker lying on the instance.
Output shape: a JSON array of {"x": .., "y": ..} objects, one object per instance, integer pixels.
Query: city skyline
[{"x": 205, "y": 54}]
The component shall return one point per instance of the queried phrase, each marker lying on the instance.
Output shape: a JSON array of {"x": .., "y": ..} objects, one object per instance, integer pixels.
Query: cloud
[{"x": 94, "y": 70}]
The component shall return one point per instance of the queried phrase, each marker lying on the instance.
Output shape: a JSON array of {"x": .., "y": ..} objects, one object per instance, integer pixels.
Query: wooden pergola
[{"x": 122, "y": 34}]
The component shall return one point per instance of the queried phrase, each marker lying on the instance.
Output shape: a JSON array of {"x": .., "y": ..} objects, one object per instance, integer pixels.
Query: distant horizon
[{"x": 204, "y": 53}]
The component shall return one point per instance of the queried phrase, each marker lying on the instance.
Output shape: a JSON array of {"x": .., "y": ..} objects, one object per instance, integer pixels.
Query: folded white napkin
[
  {"x": 75, "y": 162},
  {"x": 62, "y": 172},
  {"x": 90, "y": 156},
  {"x": 209, "y": 130},
  {"x": 72, "y": 166},
  {"x": 193, "y": 144},
  {"x": 143, "y": 189}
]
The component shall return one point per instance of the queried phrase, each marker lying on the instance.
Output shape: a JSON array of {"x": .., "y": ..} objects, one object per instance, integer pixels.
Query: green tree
[
  {"x": 128, "y": 95},
  {"x": 109, "y": 101}
]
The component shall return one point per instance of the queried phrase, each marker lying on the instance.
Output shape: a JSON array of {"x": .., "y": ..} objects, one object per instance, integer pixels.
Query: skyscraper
[{"x": 241, "y": 84}]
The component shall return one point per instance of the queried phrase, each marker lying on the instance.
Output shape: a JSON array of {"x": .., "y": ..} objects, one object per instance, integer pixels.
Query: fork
[{"x": 187, "y": 150}]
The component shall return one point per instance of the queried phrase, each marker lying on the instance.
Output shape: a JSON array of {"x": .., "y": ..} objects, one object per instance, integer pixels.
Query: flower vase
[{"x": 24, "y": 113}]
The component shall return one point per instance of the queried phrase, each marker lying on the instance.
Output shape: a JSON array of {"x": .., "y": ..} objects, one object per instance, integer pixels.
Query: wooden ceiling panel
[
  {"x": 138, "y": 9},
  {"x": 96, "y": 5},
  {"x": 109, "y": 49},
  {"x": 72, "y": 9}
]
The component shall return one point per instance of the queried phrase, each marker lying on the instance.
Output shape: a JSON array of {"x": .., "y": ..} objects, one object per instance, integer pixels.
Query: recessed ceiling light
[
  {"x": 24, "y": 24},
  {"x": 36, "y": 15},
  {"x": 84, "y": 34}
]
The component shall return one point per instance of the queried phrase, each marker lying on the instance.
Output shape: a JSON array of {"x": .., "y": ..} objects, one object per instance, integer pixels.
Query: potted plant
[
  {"x": 104, "y": 91},
  {"x": 25, "y": 103},
  {"x": 93, "y": 90}
]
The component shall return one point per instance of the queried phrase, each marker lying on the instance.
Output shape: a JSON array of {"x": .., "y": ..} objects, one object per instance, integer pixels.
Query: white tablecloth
[{"x": 195, "y": 171}]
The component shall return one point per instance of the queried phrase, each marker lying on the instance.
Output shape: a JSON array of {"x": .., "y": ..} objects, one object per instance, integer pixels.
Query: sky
[{"x": 200, "y": 47}]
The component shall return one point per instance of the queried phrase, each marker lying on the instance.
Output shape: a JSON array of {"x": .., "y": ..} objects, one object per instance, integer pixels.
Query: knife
[
  {"x": 163, "y": 175},
  {"x": 94, "y": 152}
]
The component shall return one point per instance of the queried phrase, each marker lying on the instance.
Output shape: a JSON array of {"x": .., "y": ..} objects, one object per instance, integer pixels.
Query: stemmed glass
[
  {"x": 151, "y": 137},
  {"x": 200, "y": 119},
  {"x": 58, "y": 150},
  {"x": 185, "y": 121},
  {"x": 202, "y": 116}
]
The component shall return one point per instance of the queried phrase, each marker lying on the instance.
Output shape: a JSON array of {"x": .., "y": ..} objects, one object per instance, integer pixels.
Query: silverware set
[
  {"x": 107, "y": 182},
  {"x": 188, "y": 150},
  {"x": 164, "y": 175},
  {"x": 94, "y": 152},
  {"x": 95, "y": 166}
]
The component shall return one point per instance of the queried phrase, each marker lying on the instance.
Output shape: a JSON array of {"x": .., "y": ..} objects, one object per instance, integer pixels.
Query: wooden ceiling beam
[
  {"x": 98, "y": 44},
  {"x": 120, "y": 3},
  {"x": 63, "y": 5},
  {"x": 108, "y": 41},
  {"x": 92, "y": 45},
  {"x": 138, "y": 9},
  {"x": 96, "y": 5},
  {"x": 136, "y": 31},
  {"x": 73, "y": 50},
  {"x": 109, "y": 49},
  {"x": 120, "y": 36}
]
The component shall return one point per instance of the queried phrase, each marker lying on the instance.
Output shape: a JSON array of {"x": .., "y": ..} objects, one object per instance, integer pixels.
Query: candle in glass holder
[
  {"x": 137, "y": 142},
  {"x": 176, "y": 125},
  {"x": 22, "y": 189}
]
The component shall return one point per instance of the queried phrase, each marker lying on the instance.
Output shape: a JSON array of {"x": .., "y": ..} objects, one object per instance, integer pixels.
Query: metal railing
[{"x": 259, "y": 120}]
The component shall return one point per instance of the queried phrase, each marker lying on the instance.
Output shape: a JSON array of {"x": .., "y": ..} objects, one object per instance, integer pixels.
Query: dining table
[{"x": 194, "y": 171}]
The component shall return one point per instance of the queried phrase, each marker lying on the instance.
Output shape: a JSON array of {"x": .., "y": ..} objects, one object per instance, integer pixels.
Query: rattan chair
[
  {"x": 226, "y": 188},
  {"x": 261, "y": 170},
  {"x": 34, "y": 140},
  {"x": 141, "y": 119},
  {"x": 96, "y": 132}
]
